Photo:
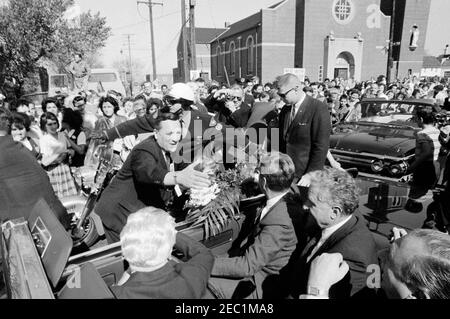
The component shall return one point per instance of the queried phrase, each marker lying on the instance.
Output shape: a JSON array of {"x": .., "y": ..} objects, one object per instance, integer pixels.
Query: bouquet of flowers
[{"x": 214, "y": 206}]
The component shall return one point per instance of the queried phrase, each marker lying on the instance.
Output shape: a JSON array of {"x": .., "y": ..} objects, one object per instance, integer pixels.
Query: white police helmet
[{"x": 180, "y": 91}]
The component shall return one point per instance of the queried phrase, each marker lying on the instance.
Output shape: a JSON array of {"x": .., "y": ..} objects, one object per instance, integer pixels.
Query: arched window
[
  {"x": 218, "y": 60},
  {"x": 250, "y": 54},
  {"x": 232, "y": 58}
]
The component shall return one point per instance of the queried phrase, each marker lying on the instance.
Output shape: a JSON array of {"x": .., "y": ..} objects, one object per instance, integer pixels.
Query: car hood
[{"x": 380, "y": 140}]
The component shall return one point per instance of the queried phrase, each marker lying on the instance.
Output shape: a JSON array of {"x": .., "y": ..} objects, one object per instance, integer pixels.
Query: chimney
[
  {"x": 446, "y": 50},
  {"x": 227, "y": 25}
]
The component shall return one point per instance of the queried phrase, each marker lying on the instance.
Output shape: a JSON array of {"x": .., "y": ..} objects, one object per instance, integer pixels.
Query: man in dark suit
[
  {"x": 230, "y": 106},
  {"x": 332, "y": 201},
  {"x": 147, "y": 241},
  {"x": 270, "y": 243},
  {"x": 147, "y": 178},
  {"x": 23, "y": 182},
  {"x": 198, "y": 128},
  {"x": 304, "y": 128}
]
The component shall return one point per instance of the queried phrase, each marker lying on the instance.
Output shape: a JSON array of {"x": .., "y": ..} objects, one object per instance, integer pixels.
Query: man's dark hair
[
  {"x": 200, "y": 80},
  {"x": 165, "y": 117},
  {"x": 278, "y": 170},
  {"x": 426, "y": 116}
]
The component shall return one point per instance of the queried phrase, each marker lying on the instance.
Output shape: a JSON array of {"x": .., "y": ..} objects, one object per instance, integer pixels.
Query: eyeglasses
[
  {"x": 232, "y": 98},
  {"x": 283, "y": 95}
]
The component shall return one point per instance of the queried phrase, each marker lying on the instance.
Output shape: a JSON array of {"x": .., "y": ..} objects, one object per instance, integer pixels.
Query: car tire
[{"x": 76, "y": 204}]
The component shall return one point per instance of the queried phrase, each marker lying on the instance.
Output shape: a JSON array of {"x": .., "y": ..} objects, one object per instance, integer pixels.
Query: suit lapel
[{"x": 336, "y": 237}]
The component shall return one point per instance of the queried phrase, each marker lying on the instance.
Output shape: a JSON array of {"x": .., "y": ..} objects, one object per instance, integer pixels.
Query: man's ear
[{"x": 337, "y": 212}]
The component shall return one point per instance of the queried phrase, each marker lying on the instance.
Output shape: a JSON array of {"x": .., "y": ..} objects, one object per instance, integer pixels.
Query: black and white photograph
[{"x": 227, "y": 158}]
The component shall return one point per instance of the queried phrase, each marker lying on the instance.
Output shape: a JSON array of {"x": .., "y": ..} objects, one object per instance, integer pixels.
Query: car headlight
[
  {"x": 398, "y": 169},
  {"x": 377, "y": 166}
]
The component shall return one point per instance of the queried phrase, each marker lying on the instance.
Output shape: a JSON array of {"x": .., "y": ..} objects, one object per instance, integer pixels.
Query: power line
[{"x": 145, "y": 21}]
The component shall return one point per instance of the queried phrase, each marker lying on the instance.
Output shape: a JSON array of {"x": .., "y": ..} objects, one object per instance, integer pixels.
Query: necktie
[
  {"x": 311, "y": 245},
  {"x": 290, "y": 120},
  {"x": 168, "y": 159}
]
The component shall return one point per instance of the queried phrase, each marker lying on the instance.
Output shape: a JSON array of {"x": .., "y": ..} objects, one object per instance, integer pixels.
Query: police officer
[{"x": 198, "y": 128}]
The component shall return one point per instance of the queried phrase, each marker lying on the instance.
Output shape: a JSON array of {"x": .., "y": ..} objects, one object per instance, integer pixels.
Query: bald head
[
  {"x": 288, "y": 79},
  {"x": 290, "y": 88}
]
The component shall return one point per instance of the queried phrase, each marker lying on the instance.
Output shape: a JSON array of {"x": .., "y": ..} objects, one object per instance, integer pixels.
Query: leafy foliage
[{"x": 35, "y": 30}]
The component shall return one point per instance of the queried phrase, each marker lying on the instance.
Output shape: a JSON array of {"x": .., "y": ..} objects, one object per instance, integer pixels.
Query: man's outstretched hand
[{"x": 193, "y": 179}]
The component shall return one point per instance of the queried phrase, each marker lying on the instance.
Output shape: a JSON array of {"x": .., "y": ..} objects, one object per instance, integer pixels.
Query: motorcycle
[{"x": 93, "y": 178}]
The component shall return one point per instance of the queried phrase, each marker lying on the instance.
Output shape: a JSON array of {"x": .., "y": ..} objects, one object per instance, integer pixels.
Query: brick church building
[{"x": 329, "y": 38}]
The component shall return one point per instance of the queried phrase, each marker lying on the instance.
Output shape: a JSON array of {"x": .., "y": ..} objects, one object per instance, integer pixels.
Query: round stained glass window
[{"x": 343, "y": 11}]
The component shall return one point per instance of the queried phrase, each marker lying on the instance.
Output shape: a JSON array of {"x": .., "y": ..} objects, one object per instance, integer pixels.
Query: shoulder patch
[{"x": 213, "y": 122}]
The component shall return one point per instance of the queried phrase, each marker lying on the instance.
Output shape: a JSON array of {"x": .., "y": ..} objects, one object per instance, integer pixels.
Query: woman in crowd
[
  {"x": 55, "y": 155},
  {"x": 19, "y": 132},
  {"x": 72, "y": 125},
  {"x": 154, "y": 105},
  {"x": 109, "y": 107},
  {"x": 51, "y": 105}
]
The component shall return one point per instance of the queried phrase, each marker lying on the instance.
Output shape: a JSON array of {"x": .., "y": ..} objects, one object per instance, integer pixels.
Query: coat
[
  {"x": 307, "y": 139},
  {"x": 356, "y": 244},
  {"x": 138, "y": 184},
  {"x": 23, "y": 182},
  {"x": 267, "y": 250},
  {"x": 187, "y": 280}
]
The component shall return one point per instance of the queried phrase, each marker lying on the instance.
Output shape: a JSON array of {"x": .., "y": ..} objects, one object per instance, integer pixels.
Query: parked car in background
[
  {"x": 104, "y": 80},
  {"x": 383, "y": 141}
]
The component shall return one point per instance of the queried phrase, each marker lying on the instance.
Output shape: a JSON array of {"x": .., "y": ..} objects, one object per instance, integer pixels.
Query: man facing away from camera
[{"x": 270, "y": 243}]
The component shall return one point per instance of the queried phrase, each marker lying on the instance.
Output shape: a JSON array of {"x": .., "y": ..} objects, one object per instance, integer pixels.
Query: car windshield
[
  {"x": 102, "y": 77},
  {"x": 389, "y": 112}
]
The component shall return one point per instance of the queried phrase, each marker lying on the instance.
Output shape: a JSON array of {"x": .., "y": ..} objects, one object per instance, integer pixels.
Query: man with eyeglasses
[
  {"x": 305, "y": 128},
  {"x": 230, "y": 107}
]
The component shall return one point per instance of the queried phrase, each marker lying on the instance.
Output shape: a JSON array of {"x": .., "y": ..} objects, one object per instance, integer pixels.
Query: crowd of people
[{"x": 308, "y": 240}]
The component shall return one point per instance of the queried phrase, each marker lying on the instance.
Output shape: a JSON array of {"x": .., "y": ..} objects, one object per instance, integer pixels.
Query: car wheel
[
  {"x": 90, "y": 236},
  {"x": 75, "y": 206}
]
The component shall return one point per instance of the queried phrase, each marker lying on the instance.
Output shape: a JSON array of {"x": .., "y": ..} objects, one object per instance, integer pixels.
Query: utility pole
[
  {"x": 193, "y": 64},
  {"x": 391, "y": 45},
  {"x": 184, "y": 37},
  {"x": 130, "y": 62},
  {"x": 150, "y": 5}
]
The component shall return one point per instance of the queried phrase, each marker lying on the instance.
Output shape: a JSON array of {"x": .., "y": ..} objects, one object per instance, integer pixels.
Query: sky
[{"x": 128, "y": 17}]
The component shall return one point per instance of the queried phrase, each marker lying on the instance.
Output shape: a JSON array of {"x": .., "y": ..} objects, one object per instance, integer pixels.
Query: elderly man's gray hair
[
  {"x": 338, "y": 188},
  {"x": 428, "y": 271},
  {"x": 148, "y": 237}
]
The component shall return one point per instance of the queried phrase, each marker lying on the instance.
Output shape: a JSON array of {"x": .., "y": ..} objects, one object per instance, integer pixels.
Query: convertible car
[
  {"x": 39, "y": 260},
  {"x": 382, "y": 143}
]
